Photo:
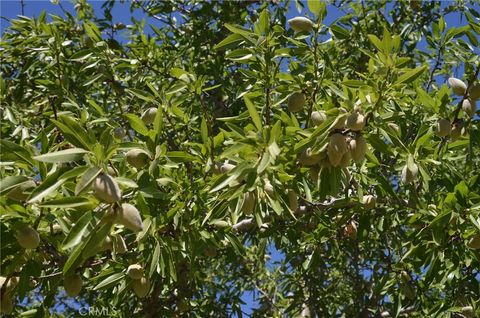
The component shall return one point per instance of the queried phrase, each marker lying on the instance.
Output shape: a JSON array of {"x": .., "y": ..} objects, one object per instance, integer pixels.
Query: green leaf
[
  {"x": 110, "y": 281},
  {"x": 137, "y": 124},
  {"x": 232, "y": 38},
  {"x": 77, "y": 231},
  {"x": 180, "y": 156},
  {"x": 11, "y": 182},
  {"x": 253, "y": 113},
  {"x": 339, "y": 32},
  {"x": 315, "y": 6},
  {"x": 155, "y": 259},
  {"x": 141, "y": 94},
  {"x": 47, "y": 187},
  {"x": 68, "y": 155},
  {"x": 65, "y": 203},
  {"x": 410, "y": 75},
  {"x": 376, "y": 41},
  {"x": 74, "y": 260},
  {"x": 87, "y": 179},
  {"x": 238, "y": 30}
]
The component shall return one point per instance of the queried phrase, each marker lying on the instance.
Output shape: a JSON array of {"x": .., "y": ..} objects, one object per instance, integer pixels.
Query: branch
[{"x": 404, "y": 311}]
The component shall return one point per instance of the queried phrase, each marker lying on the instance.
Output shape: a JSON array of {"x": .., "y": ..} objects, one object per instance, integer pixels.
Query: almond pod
[
  {"x": 337, "y": 147},
  {"x": 12, "y": 282},
  {"x": 119, "y": 133},
  {"x": 318, "y": 117},
  {"x": 220, "y": 224},
  {"x": 407, "y": 175},
  {"x": 248, "y": 203},
  {"x": 443, "y": 127},
  {"x": 292, "y": 201},
  {"x": 268, "y": 188},
  {"x": 456, "y": 131},
  {"x": 356, "y": 122},
  {"x": 469, "y": 107},
  {"x": 141, "y": 287},
  {"x": 28, "y": 238},
  {"x": 358, "y": 148},
  {"x": 21, "y": 192},
  {"x": 314, "y": 172},
  {"x": 137, "y": 158},
  {"x": 345, "y": 161},
  {"x": 369, "y": 201},
  {"x": 458, "y": 87},
  {"x": 395, "y": 128},
  {"x": 474, "y": 92},
  {"x": 129, "y": 217},
  {"x": 301, "y": 24},
  {"x": 106, "y": 189},
  {"x": 6, "y": 304},
  {"x": 296, "y": 101},
  {"x": 135, "y": 271},
  {"x": 73, "y": 285},
  {"x": 149, "y": 116},
  {"x": 468, "y": 311},
  {"x": 226, "y": 167},
  {"x": 474, "y": 242}
]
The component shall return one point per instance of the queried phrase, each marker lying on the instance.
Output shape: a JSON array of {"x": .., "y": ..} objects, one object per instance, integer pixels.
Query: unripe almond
[
  {"x": 292, "y": 201},
  {"x": 468, "y": 311},
  {"x": 6, "y": 304},
  {"x": 135, "y": 271},
  {"x": 408, "y": 175},
  {"x": 268, "y": 188},
  {"x": 28, "y": 238},
  {"x": 220, "y": 224},
  {"x": 20, "y": 192},
  {"x": 307, "y": 158},
  {"x": 296, "y": 101},
  {"x": 474, "y": 91},
  {"x": 337, "y": 147},
  {"x": 111, "y": 171},
  {"x": 474, "y": 242},
  {"x": 106, "y": 189},
  {"x": 356, "y": 122},
  {"x": 314, "y": 172},
  {"x": 301, "y": 24},
  {"x": 137, "y": 158},
  {"x": 120, "y": 246},
  {"x": 119, "y": 133},
  {"x": 443, "y": 127},
  {"x": 341, "y": 120},
  {"x": 458, "y": 86},
  {"x": 210, "y": 251},
  {"x": 73, "y": 285},
  {"x": 345, "y": 161},
  {"x": 395, "y": 128},
  {"x": 226, "y": 167},
  {"x": 248, "y": 203},
  {"x": 128, "y": 216},
  {"x": 469, "y": 107},
  {"x": 149, "y": 115},
  {"x": 456, "y": 131},
  {"x": 358, "y": 148},
  {"x": 141, "y": 287},
  {"x": 318, "y": 117},
  {"x": 369, "y": 201},
  {"x": 12, "y": 282}
]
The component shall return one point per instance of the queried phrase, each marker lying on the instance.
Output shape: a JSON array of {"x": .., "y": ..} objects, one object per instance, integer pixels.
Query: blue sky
[{"x": 121, "y": 13}]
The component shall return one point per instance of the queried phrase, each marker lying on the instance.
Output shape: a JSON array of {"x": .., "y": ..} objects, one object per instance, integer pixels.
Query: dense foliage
[{"x": 170, "y": 168}]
